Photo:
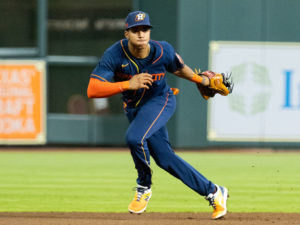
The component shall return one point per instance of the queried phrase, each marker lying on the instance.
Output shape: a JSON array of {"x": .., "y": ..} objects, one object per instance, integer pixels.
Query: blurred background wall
[{"x": 71, "y": 36}]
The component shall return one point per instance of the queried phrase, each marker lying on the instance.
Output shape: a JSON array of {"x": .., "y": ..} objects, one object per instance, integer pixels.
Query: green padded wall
[{"x": 190, "y": 24}]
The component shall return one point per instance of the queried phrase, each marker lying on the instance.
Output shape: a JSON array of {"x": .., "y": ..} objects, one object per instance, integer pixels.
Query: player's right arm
[
  {"x": 101, "y": 83},
  {"x": 104, "y": 89}
]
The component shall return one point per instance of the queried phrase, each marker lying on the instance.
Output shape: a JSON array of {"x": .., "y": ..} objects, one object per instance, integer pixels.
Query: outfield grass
[{"x": 103, "y": 182}]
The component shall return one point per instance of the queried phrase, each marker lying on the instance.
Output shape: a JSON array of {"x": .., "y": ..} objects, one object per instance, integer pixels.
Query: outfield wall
[
  {"x": 201, "y": 22},
  {"x": 78, "y": 34}
]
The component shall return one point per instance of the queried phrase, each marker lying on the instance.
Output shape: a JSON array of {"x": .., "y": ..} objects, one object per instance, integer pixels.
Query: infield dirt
[{"x": 78, "y": 218}]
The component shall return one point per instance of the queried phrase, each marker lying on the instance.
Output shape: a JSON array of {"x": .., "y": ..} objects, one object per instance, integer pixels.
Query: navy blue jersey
[{"x": 118, "y": 64}]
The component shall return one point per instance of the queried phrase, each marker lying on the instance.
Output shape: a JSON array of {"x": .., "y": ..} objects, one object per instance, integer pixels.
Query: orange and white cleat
[
  {"x": 140, "y": 200},
  {"x": 218, "y": 201}
]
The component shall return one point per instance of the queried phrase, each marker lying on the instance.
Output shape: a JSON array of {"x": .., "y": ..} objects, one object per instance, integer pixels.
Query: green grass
[{"x": 103, "y": 182}]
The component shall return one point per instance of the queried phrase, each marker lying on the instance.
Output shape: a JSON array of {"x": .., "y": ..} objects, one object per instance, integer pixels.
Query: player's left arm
[
  {"x": 208, "y": 82},
  {"x": 177, "y": 66},
  {"x": 211, "y": 82},
  {"x": 187, "y": 73}
]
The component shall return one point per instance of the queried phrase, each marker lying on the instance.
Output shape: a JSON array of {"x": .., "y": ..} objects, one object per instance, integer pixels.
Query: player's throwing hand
[{"x": 142, "y": 80}]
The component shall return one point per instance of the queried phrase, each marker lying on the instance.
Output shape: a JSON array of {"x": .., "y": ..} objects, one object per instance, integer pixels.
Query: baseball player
[{"x": 136, "y": 67}]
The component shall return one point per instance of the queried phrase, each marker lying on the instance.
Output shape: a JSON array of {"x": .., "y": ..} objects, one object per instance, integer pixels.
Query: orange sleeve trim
[
  {"x": 161, "y": 54},
  {"x": 101, "y": 89},
  {"x": 101, "y": 78},
  {"x": 196, "y": 78}
]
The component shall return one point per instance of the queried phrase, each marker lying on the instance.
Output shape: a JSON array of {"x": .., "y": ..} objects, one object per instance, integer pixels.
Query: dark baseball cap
[{"x": 137, "y": 18}]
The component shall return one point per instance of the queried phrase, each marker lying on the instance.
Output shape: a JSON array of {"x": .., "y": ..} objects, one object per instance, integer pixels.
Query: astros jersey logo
[{"x": 140, "y": 17}]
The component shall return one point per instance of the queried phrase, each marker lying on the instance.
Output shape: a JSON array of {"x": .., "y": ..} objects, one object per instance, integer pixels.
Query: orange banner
[{"x": 22, "y": 102}]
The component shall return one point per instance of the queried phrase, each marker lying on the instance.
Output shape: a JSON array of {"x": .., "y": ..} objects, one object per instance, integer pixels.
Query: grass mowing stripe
[{"x": 102, "y": 182}]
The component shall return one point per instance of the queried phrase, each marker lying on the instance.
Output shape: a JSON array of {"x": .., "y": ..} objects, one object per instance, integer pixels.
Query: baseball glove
[{"x": 219, "y": 83}]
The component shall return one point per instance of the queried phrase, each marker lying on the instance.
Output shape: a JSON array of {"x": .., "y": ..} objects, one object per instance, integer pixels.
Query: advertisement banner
[
  {"x": 265, "y": 103},
  {"x": 22, "y": 102}
]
